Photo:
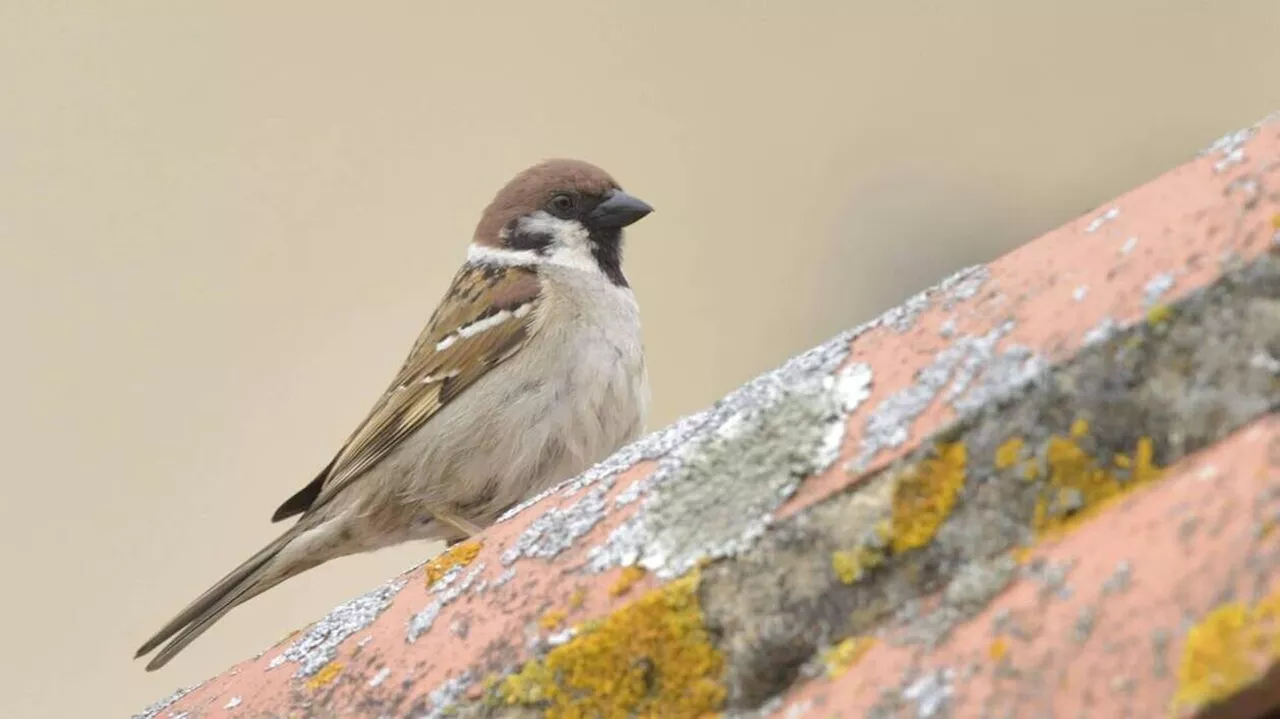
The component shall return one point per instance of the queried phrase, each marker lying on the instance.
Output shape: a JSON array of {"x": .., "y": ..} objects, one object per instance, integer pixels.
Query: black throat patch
[{"x": 606, "y": 247}]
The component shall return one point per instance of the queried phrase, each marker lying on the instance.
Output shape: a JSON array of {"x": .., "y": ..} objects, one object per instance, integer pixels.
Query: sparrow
[{"x": 530, "y": 371}]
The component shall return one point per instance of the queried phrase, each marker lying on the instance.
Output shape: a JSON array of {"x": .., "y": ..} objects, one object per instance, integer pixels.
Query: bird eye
[{"x": 563, "y": 205}]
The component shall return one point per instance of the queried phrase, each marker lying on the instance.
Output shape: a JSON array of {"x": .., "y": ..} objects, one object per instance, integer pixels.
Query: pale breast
[
  {"x": 577, "y": 392},
  {"x": 600, "y": 378}
]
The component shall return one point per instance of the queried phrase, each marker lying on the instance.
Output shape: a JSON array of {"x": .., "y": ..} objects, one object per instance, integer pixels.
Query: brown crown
[{"x": 528, "y": 191}]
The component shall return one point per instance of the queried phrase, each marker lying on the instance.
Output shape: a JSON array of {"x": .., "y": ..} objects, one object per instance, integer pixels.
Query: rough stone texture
[{"x": 1048, "y": 486}]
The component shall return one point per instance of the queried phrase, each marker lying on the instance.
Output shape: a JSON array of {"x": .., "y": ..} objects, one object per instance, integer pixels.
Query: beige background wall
[{"x": 222, "y": 224}]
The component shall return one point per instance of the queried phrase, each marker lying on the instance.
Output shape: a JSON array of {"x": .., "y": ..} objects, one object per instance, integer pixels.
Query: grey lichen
[
  {"x": 153, "y": 711},
  {"x": 1001, "y": 375},
  {"x": 1156, "y": 287},
  {"x": 973, "y": 373},
  {"x": 1230, "y": 147},
  {"x": 441, "y": 700},
  {"x": 1118, "y": 582},
  {"x": 446, "y": 590},
  {"x": 1051, "y": 576},
  {"x": 930, "y": 693},
  {"x": 976, "y": 583},
  {"x": 1100, "y": 332},
  {"x": 764, "y": 438},
  {"x": 556, "y": 529},
  {"x": 1096, "y": 224},
  {"x": 721, "y": 495},
  {"x": 1086, "y": 618},
  {"x": 319, "y": 644},
  {"x": 962, "y": 285}
]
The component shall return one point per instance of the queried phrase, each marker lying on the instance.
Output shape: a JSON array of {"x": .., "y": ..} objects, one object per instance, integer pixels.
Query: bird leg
[{"x": 468, "y": 529}]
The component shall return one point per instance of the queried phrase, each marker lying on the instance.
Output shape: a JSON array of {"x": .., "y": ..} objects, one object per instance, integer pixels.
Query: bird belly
[{"x": 559, "y": 406}]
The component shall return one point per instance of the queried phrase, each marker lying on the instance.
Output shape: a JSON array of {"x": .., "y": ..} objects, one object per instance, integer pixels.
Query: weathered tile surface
[{"x": 1047, "y": 487}]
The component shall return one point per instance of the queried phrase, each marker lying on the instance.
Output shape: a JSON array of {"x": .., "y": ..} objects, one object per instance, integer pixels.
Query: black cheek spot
[{"x": 518, "y": 238}]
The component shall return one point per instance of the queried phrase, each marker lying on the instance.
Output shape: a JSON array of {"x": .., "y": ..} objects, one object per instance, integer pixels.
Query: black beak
[{"x": 619, "y": 210}]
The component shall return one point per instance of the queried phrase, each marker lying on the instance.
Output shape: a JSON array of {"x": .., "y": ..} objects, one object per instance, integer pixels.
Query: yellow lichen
[
  {"x": 651, "y": 658},
  {"x": 1268, "y": 526},
  {"x": 1078, "y": 487},
  {"x": 839, "y": 658},
  {"x": 576, "y": 599},
  {"x": 1008, "y": 452},
  {"x": 327, "y": 673},
  {"x": 459, "y": 555},
  {"x": 1266, "y": 613},
  {"x": 924, "y": 496},
  {"x": 627, "y": 579},
  {"x": 1227, "y": 651},
  {"x": 1030, "y": 470},
  {"x": 1080, "y": 427},
  {"x": 1159, "y": 314},
  {"x": 1275, "y": 221},
  {"x": 552, "y": 619},
  {"x": 850, "y": 564},
  {"x": 998, "y": 649}
]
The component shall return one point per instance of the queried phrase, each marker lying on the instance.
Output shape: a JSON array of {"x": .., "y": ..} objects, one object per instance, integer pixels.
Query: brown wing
[{"x": 487, "y": 316}]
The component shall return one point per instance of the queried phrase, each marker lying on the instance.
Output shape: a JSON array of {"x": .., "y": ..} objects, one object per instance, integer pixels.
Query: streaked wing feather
[{"x": 430, "y": 378}]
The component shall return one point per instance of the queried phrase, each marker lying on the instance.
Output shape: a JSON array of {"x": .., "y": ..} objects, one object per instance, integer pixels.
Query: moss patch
[{"x": 651, "y": 658}]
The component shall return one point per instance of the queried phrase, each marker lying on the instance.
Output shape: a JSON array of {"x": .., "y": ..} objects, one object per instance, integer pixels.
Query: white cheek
[{"x": 572, "y": 244}]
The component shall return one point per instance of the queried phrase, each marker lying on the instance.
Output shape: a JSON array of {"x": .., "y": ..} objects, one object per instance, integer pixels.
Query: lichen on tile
[
  {"x": 153, "y": 711},
  {"x": 924, "y": 494},
  {"x": 973, "y": 373},
  {"x": 652, "y": 657},
  {"x": 319, "y": 643},
  {"x": 459, "y": 555},
  {"x": 442, "y": 700},
  {"x": 714, "y": 494},
  {"x": 1229, "y": 649},
  {"x": 839, "y": 658},
  {"x": 719, "y": 495},
  {"x": 1078, "y": 484},
  {"x": 455, "y": 582}
]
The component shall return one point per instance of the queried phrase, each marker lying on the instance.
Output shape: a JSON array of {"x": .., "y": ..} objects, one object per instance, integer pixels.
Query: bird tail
[{"x": 256, "y": 575}]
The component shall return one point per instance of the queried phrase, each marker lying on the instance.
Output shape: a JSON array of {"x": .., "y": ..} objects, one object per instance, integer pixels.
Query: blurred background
[{"x": 222, "y": 225}]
